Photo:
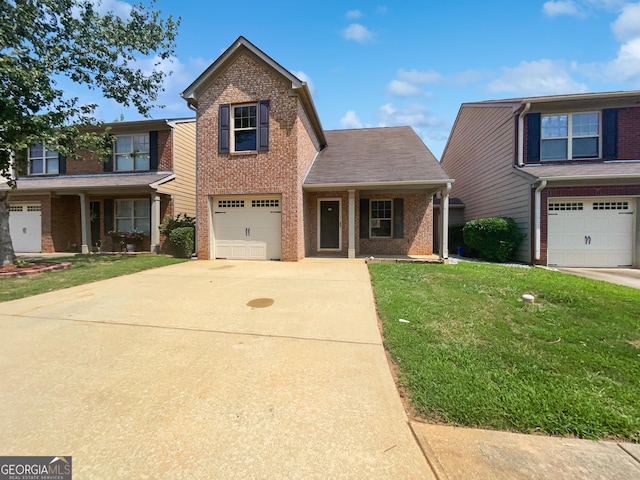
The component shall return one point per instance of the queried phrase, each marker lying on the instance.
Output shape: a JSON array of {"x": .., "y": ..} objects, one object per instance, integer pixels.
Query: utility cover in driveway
[{"x": 247, "y": 228}]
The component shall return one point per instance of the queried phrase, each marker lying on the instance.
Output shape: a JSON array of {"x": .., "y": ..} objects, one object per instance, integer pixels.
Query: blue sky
[{"x": 412, "y": 63}]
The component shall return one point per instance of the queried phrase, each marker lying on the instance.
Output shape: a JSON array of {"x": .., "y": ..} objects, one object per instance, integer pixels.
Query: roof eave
[{"x": 371, "y": 185}]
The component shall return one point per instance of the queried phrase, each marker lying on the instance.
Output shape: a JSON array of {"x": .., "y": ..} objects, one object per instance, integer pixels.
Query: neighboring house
[
  {"x": 566, "y": 168},
  {"x": 64, "y": 205},
  {"x": 272, "y": 184}
]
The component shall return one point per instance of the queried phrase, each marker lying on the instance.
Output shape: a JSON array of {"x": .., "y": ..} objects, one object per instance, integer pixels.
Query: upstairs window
[
  {"x": 43, "y": 161},
  {"x": 131, "y": 152},
  {"x": 570, "y": 136},
  {"x": 245, "y": 128}
]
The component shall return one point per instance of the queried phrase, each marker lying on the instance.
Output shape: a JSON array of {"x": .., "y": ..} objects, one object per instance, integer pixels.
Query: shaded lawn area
[
  {"x": 85, "y": 269},
  {"x": 474, "y": 354}
]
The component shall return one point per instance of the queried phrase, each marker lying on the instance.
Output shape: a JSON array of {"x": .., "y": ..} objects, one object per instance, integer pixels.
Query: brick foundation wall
[{"x": 577, "y": 191}]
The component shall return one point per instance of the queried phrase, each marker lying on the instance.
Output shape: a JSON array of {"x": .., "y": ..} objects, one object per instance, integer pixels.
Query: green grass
[
  {"x": 85, "y": 269},
  {"x": 474, "y": 354}
]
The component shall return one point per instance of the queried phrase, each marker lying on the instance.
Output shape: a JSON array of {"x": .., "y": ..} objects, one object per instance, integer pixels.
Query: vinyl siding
[
  {"x": 183, "y": 187},
  {"x": 480, "y": 156}
]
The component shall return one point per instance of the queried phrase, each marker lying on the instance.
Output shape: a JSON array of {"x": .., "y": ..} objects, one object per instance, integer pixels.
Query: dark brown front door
[{"x": 330, "y": 224}]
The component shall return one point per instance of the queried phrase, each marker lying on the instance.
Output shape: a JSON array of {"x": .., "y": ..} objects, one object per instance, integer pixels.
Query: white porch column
[
  {"x": 84, "y": 223},
  {"x": 352, "y": 224},
  {"x": 444, "y": 223},
  {"x": 155, "y": 223}
]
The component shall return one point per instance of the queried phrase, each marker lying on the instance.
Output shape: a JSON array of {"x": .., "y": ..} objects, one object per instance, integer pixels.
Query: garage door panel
[
  {"x": 590, "y": 232},
  {"x": 247, "y": 228},
  {"x": 25, "y": 226}
]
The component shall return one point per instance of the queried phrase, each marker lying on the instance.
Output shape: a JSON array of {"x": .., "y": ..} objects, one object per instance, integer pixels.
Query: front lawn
[
  {"x": 474, "y": 354},
  {"x": 85, "y": 269}
]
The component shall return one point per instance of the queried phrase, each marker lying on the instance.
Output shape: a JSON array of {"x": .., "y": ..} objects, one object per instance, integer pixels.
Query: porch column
[
  {"x": 84, "y": 223},
  {"x": 155, "y": 223},
  {"x": 444, "y": 223},
  {"x": 352, "y": 224}
]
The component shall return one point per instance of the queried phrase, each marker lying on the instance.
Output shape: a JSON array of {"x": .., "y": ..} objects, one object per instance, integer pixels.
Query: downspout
[
  {"x": 537, "y": 213},
  {"x": 521, "y": 134}
]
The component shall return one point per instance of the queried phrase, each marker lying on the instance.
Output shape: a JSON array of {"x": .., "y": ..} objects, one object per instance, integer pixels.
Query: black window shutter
[
  {"x": 610, "y": 133},
  {"x": 153, "y": 150},
  {"x": 533, "y": 137},
  {"x": 263, "y": 125},
  {"x": 224, "y": 114},
  {"x": 108, "y": 161},
  {"x": 398, "y": 218},
  {"x": 108, "y": 215},
  {"x": 62, "y": 164},
  {"x": 364, "y": 218}
]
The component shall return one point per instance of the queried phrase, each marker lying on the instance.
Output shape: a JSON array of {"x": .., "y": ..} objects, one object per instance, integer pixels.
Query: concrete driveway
[
  {"x": 629, "y": 277},
  {"x": 207, "y": 370}
]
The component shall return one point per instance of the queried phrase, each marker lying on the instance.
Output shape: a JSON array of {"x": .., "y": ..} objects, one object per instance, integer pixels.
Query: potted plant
[{"x": 128, "y": 237}]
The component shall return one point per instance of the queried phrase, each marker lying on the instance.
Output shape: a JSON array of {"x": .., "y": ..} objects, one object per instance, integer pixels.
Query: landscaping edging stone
[{"x": 34, "y": 270}]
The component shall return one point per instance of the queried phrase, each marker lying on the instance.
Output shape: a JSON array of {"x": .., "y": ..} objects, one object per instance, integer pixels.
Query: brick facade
[{"x": 277, "y": 171}]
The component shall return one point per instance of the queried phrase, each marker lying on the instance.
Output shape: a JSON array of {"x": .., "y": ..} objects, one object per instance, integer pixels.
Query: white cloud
[
  {"x": 416, "y": 77},
  {"x": 398, "y": 88},
  {"x": 562, "y": 7},
  {"x": 351, "y": 120},
  {"x": 543, "y": 77},
  {"x": 359, "y": 33},
  {"x": 353, "y": 14},
  {"x": 307, "y": 79},
  {"x": 381, "y": 10},
  {"x": 627, "y": 25},
  {"x": 118, "y": 7},
  {"x": 413, "y": 114},
  {"x": 627, "y": 64}
]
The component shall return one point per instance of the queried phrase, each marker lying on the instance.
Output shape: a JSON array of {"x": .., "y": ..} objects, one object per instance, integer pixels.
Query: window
[
  {"x": 570, "y": 136},
  {"x": 133, "y": 215},
  {"x": 380, "y": 219},
  {"x": 245, "y": 129},
  {"x": 132, "y": 152},
  {"x": 42, "y": 161}
]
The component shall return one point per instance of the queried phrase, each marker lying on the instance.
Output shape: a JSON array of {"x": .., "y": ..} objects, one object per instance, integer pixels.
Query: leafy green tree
[{"x": 43, "y": 41}]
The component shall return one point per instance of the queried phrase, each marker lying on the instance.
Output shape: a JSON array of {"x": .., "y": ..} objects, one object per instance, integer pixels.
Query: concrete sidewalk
[{"x": 207, "y": 370}]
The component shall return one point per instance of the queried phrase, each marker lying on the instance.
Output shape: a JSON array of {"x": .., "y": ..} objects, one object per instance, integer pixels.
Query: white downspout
[
  {"x": 521, "y": 134},
  {"x": 537, "y": 214}
]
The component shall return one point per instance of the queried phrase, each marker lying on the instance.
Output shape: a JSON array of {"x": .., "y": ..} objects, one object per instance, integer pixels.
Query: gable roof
[
  {"x": 190, "y": 94},
  {"x": 623, "y": 97},
  {"x": 375, "y": 157}
]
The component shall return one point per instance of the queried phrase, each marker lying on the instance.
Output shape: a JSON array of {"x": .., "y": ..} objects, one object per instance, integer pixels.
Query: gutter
[
  {"x": 521, "y": 133},
  {"x": 387, "y": 184},
  {"x": 537, "y": 220}
]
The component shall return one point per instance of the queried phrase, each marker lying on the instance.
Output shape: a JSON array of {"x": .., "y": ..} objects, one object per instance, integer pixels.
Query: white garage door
[
  {"x": 247, "y": 228},
  {"x": 25, "y": 225},
  {"x": 595, "y": 232}
]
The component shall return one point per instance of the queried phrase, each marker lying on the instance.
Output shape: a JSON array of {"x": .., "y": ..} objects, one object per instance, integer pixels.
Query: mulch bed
[{"x": 32, "y": 268}]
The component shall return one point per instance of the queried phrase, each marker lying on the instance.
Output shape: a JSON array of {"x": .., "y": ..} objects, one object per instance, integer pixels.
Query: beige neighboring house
[
  {"x": 566, "y": 168},
  {"x": 65, "y": 205}
]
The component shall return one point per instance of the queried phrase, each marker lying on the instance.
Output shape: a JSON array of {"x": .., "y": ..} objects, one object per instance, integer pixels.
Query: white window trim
[
  {"x": 44, "y": 161},
  {"x": 390, "y": 200},
  {"x": 233, "y": 129},
  {"x": 570, "y": 136},
  {"x": 132, "y": 153},
  {"x": 133, "y": 217}
]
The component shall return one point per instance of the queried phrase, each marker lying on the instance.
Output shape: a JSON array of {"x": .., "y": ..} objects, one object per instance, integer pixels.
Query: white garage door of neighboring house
[
  {"x": 593, "y": 232},
  {"x": 247, "y": 228},
  {"x": 25, "y": 225}
]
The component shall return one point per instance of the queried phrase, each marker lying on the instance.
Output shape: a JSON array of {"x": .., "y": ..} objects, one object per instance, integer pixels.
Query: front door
[{"x": 329, "y": 225}]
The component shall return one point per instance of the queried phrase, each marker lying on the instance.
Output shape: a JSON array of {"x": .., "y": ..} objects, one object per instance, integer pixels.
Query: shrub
[
  {"x": 494, "y": 238},
  {"x": 170, "y": 225},
  {"x": 182, "y": 241}
]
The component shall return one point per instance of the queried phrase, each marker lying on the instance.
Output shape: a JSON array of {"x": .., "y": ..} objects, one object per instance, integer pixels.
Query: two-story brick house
[
  {"x": 272, "y": 184},
  {"x": 566, "y": 168},
  {"x": 65, "y": 205}
]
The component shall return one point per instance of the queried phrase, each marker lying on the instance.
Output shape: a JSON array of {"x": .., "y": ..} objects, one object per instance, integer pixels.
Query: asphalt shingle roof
[
  {"x": 375, "y": 155},
  {"x": 586, "y": 171}
]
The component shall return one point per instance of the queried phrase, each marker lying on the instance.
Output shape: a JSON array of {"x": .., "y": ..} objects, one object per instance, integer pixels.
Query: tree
[{"x": 42, "y": 41}]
